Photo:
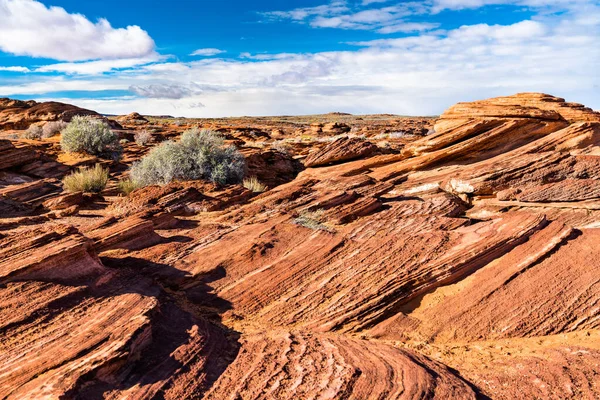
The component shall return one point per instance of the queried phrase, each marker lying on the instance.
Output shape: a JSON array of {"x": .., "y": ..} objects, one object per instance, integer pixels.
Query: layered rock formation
[
  {"x": 16, "y": 114},
  {"x": 463, "y": 265}
]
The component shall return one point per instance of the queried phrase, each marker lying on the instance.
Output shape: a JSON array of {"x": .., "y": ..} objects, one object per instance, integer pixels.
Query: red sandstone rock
[
  {"x": 19, "y": 115},
  {"x": 436, "y": 271},
  {"x": 342, "y": 149}
]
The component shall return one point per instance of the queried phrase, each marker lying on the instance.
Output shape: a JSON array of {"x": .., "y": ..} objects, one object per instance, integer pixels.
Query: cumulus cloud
[
  {"x": 207, "y": 52},
  {"x": 29, "y": 28}
]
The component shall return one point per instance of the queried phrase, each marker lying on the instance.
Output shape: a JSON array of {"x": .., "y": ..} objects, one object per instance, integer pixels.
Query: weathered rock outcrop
[
  {"x": 15, "y": 114},
  {"x": 342, "y": 149},
  {"x": 461, "y": 265}
]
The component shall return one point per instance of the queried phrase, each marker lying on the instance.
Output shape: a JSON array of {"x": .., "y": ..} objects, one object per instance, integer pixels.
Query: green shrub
[
  {"x": 127, "y": 186},
  {"x": 85, "y": 134},
  {"x": 254, "y": 185},
  {"x": 200, "y": 154},
  {"x": 33, "y": 132},
  {"x": 87, "y": 180}
]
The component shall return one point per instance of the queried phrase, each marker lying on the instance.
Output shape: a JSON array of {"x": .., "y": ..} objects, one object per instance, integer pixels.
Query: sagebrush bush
[
  {"x": 53, "y": 128},
  {"x": 92, "y": 180},
  {"x": 90, "y": 135},
  {"x": 142, "y": 137},
  {"x": 200, "y": 154},
  {"x": 282, "y": 147},
  {"x": 254, "y": 185},
  {"x": 33, "y": 132}
]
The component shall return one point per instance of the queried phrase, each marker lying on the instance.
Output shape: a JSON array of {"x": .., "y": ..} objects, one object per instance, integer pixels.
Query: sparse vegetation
[
  {"x": 254, "y": 185},
  {"x": 281, "y": 147},
  {"x": 142, "y": 138},
  {"x": 34, "y": 132},
  {"x": 53, "y": 128},
  {"x": 127, "y": 186},
  {"x": 200, "y": 154},
  {"x": 90, "y": 135},
  {"x": 391, "y": 135},
  {"x": 256, "y": 145},
  {"x": 91, "y": 180},
  {"x": 312, "y": 220}
]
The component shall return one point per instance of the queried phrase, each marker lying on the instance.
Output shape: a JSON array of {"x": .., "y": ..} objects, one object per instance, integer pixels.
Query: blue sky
[{"x": 225, "y": 58}]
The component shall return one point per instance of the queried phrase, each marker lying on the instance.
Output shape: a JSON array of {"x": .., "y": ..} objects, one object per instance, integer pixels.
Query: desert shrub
[
  {"x": 200, "y": 154},
  {"x": 90, "y": 135},
  {"x": 87, "y": 180},
  {"x": 33, "y": 132},
  {"x": 397, "y": 135},
  {"x": 281, "y": 147},
  {"x": 127, "y": 186},
  {"x": 312, "y": 220},
  {"x": 254, "y": 185},
  {"x": 53, "y": 128},
  {"x": 142, "y": 137}
]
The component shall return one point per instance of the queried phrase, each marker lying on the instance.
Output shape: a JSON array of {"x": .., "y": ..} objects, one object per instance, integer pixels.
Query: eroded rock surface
[
  {"x": 458, "y": 265},
  {"x": 16, "y": 114}
]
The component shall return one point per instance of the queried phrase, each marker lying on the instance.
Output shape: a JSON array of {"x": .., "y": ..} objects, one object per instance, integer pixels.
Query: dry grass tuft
[
  {"x": 127, "y": 186},
  {"x": 92, "y": 180},
  {"x": 312, "y": 220},
  {"x": 254, "y": 185}
]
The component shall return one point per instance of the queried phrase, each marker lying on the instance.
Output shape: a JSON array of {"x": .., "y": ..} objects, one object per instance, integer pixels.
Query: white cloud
[
  {"x": 439, "y": 5},
  {"x": 420, "y": 74},
  {"x": 15, "y": 69},
  {"x": 162, "y": 91},
  {"x": 207, "y": 52},
  {"x": 333, "y": 8},
  {"x": 98, "y": 66},
  {"x": 388, "y": 19},
  {"x": 29, "y": 28}
]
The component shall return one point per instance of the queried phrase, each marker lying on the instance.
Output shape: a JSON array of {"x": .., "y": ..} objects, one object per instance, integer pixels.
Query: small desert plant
[
  {"x": 142, "y": 138},
  {"x": 254, "y": 185},
  {"x": 33, "y": 132},
  {"x": 281, "y": 147},
  {"x": 200, "y": 154},
  {"x": 90, "y": 135},
  {"x": 397, "y": 135},
  {"x": 312, "y": 220},
  {"x": 53, "y": 128},
  {"x": 256, "y": 145},
  {"x": 127, "y": 186},
  {"x": 87, "y": 180}
]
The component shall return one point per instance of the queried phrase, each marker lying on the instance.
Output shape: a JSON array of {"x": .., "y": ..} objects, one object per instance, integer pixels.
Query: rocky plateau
[{"x": 451, "y": 258}]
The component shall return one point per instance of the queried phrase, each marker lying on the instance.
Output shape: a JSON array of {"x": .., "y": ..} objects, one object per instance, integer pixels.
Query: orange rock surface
[{"x": 461, "y": 264}]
